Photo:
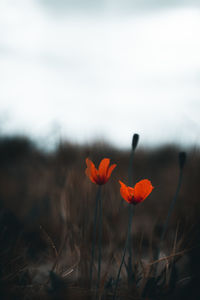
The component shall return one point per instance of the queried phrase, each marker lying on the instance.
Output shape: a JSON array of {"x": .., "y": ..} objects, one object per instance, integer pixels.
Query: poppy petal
[
  {"x": 91, "y": 171},
  {"x": 142, "y": 189},
  {"x": 110, "y": 170},
  {"x": 124, "y": 192},
  {"x": 103, "y": 167}
]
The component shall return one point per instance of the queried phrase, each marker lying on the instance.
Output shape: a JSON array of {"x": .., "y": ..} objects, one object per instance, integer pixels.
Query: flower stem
[
  {"x": 130, "y": 183},
  {"x": 130, "y": 169},
  {"x": 99, "y": 241},
  {"x": 171, "y": 208},
  {"x": 124, "y": 252},
  {"x": 94, "y": 233},
  {"x": 130, "y": 267}
]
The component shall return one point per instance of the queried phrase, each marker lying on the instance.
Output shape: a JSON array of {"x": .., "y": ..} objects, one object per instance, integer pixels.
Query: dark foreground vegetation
[{"x": 46, "y": 224}]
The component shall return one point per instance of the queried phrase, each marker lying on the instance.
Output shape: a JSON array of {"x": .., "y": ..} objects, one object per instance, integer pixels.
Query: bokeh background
[
  {"x": 77, "y": 79},
  {"x": 84, "y": 70}
]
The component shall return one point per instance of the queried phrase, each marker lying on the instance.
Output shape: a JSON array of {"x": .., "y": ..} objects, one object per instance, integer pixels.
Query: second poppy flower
[{"x": 135, "y": 195}]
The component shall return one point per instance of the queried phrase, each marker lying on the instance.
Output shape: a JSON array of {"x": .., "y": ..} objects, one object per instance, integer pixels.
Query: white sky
[{"x": 100, "y": 75}]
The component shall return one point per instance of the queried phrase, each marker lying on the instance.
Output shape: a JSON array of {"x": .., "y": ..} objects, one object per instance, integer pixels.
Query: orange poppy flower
[
  {"x": 135, "y": 195},
  {"x": 101, "y": 175}
]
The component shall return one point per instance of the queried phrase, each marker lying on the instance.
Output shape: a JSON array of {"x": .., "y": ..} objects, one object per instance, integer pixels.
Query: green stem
[
  {"x": 124, "y": 252},
  {"x": 130, "y": 169},
  {"x": 94, "y": 233},
  {"x": 100, "y": 240},
  {"x": 130, "y": 268},
  {"x": 171, "y": 208},
  {"x": 130, "y": 183}
]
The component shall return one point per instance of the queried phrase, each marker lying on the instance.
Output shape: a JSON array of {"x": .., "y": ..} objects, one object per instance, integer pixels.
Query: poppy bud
[
  {"x": 135, "y": 141},
  {"x": 182, "y": 159}
]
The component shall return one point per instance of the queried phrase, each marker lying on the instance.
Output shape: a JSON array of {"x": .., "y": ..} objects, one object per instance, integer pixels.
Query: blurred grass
[{"x": 46, "y": 215}]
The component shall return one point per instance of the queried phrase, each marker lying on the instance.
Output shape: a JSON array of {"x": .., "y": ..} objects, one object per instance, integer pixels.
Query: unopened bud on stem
[
  {"x": 182, "y": 159},
  {"x": 135, "y": 141}
]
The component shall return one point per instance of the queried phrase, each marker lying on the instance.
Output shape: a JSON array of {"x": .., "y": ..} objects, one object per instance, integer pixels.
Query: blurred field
[{"x": 46, "y": 217}]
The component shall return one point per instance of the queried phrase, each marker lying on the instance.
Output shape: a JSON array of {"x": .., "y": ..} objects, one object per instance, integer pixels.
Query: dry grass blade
[
  {"x": 51, "y": 243},
  {"x": 75, "y": 265},
  {"x": 171, "y": 256}
]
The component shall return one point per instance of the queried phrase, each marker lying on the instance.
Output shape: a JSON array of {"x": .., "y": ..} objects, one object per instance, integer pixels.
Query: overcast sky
[{"x": 84, "y": 70}]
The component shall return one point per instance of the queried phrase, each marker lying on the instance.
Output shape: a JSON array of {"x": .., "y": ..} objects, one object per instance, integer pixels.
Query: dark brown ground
[{"x": 47, "y": 203}]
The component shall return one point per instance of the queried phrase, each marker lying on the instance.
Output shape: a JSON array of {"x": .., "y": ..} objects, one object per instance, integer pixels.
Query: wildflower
[
  {"x": 102, "y": 175},
  {"x": 135, "y": 195}
]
